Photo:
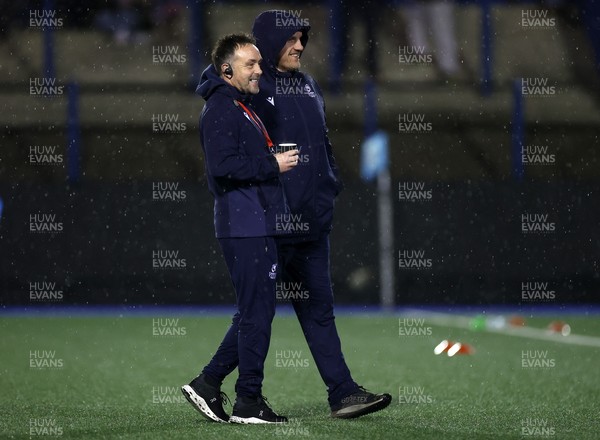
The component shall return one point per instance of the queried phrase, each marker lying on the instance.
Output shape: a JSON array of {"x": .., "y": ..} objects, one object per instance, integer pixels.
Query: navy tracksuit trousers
[
  {"x": 252, "y": 264},
  {"x": 308, "y": 263},
  {"x": 247, "y": 344}
]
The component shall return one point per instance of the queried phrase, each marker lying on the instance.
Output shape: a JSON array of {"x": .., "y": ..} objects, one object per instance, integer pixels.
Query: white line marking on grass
[{"x": 457, "y": 321}]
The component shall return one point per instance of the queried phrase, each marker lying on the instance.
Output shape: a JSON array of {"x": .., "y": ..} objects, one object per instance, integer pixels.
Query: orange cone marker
[
  {"x": 560, "y": 327},
  {"x": 453, "y": 348}
]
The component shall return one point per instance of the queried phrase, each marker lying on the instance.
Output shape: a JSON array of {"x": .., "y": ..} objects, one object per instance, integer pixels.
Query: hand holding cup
[{"x": 288, "y": 158}]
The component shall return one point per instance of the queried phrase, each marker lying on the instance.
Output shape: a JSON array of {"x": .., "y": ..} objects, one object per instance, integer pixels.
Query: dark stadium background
[{"x": 470, "y": 228}]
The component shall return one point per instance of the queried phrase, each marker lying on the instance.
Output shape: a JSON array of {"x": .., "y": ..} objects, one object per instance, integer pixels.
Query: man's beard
[{"x": 292, "y": 69}]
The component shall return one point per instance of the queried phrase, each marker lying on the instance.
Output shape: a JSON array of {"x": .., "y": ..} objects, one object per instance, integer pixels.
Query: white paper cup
[{"x": 282, "y": 148}]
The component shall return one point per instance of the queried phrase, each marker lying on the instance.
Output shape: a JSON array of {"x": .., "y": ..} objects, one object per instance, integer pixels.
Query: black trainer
[
  {"x": 249, "y": 410},
  {"x": 207, "y": 399},
  {"x": 360, "y": 403}
]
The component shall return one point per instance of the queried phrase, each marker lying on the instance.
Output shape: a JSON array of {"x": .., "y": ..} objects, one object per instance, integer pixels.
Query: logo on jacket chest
[{"x": 292, "y": 87}]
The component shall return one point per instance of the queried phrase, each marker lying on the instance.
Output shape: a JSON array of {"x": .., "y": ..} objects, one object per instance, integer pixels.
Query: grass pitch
[{"x": 119, "y": 377}]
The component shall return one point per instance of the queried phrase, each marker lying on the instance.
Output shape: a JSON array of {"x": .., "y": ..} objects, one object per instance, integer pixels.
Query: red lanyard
[{"x": 253, "y": 117}]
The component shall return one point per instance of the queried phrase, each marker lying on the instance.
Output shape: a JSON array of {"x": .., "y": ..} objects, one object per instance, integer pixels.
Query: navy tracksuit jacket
[
  {"x": 242, "y": 174},
  {"x": 291, "y": 106}
]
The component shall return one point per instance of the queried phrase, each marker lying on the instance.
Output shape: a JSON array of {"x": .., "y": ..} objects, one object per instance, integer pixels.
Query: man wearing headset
[{"x": 243, "y": 174}]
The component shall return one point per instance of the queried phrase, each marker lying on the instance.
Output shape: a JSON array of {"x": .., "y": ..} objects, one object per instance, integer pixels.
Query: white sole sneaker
[
  {"x": 200, "y": 404},
  {"x": 251, "y": 421}
]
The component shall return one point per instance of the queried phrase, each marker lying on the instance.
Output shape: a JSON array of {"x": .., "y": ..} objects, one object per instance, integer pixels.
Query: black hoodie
[
  {"x": 242, "y": 174},
  {"x": 291, "y": 106}
]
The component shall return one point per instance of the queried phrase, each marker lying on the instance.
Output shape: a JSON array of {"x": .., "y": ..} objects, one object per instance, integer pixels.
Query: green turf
[{"x": 118, "y": 380}]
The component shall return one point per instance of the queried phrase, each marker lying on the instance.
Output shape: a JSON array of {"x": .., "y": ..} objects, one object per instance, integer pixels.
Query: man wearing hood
[
  {"x": 243, "y": 177},
  {"x": 291, "y": 105}
]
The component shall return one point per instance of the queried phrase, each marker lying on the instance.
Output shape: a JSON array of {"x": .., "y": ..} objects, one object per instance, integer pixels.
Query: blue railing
[
  {"x": 518, "y": 131},
  {"x": 73, "y": 134},
  {"x": 196, "y": 43}
]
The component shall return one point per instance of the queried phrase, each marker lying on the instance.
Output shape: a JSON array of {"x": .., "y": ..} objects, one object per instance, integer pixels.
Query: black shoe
[
  {"x": 207, "y": 399},
  {"x": 250, "y": 410},
  {"x": 360, "y": 403}
]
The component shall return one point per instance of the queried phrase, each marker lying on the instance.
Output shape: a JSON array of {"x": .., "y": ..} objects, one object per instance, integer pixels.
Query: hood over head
[
  {"x": 211, "y": 82},
  {"x": 272, "y": 29}
]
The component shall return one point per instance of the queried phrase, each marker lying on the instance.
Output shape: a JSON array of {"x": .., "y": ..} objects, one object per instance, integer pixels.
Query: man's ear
[{"x": 227, "y": 70}]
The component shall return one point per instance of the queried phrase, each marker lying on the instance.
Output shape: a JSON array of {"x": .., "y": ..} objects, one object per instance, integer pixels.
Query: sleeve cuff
[{"x": 273, "y": 162}]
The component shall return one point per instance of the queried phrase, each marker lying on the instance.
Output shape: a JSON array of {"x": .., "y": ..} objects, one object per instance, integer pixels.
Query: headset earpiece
[{"x": 228, "y": 72}]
